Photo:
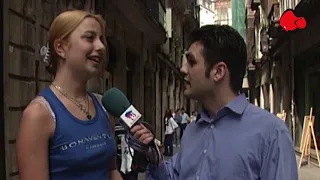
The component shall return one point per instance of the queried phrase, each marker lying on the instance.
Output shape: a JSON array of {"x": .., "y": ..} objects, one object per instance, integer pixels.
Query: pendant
[
  {"x": 81, "y": 107},
  {"x": 89, "y": 116}
]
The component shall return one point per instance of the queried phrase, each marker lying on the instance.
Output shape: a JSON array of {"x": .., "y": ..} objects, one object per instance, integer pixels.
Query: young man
[
  {"x": 184, "y": 121},
  {"x": 178, "y": 118},
  {"x": 231, "y": 139}
]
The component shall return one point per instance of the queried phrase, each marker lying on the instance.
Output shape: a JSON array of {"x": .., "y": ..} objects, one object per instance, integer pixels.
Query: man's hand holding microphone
[
  {"x": 142, "y": 133},
  {"x": 138, "y": 133}
]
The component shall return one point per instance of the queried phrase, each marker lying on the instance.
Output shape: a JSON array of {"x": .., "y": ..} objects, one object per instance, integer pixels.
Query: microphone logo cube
[{"x": 131, "y": 116}]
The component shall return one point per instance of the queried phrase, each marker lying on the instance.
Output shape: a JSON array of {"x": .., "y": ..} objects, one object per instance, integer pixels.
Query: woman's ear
[{"x": 60, "y": 48}]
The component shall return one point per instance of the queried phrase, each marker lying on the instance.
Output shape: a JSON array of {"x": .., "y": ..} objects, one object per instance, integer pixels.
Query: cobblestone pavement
[{"x": 311, "y": 172}]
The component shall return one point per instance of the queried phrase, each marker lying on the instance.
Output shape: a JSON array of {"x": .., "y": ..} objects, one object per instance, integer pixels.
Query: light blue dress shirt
[
  {"x": 185, "y": 118},
  {"x": 244, "y": 142}
]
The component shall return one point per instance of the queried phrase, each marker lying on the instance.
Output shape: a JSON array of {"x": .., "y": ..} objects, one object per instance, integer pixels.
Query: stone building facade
[
  {"x": 283, "y": 66},
  {"x": 181, "y": 19}
]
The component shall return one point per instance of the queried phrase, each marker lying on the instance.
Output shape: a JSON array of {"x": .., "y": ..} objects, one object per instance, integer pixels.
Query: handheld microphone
[{"x": 117, "y": 104}]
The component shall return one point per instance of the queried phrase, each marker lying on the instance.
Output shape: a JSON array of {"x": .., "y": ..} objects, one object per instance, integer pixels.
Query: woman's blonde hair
[{"x": 62, "y": 26}]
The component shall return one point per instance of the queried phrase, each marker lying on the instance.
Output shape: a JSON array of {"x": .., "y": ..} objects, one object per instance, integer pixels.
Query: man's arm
[
  {"x": 167, "y": 170},
  {"x": 279, "y": 160}
]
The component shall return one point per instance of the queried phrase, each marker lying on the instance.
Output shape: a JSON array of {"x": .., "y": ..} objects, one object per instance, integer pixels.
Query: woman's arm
[
  {"x": 36, "y": 127},
  {"x": 115, "y": 175}
]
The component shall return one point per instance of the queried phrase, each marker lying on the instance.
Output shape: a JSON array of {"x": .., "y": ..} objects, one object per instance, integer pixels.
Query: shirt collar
[{"x": 237, "y": 106}]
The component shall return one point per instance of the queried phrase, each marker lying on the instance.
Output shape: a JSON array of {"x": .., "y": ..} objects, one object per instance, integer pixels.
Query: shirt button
[
  {"x": 197, "y": 178},
  {"x": 212, "y": 126},
  {"x": 205, "y": 151}
]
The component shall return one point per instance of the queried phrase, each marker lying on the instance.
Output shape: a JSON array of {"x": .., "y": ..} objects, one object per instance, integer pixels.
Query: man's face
[
  {"x": 194, "y": 68},
  {"x": 198, "y": 85}
]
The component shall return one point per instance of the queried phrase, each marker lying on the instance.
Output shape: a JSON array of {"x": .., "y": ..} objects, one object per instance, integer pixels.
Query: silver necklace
[{"x": 75, "y": 101}]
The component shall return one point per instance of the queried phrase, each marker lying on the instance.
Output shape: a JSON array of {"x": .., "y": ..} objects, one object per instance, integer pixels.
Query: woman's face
[{"x": 84, "y": 49}]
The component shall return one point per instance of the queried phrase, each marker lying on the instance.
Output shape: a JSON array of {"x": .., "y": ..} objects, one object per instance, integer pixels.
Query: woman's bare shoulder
[
  {"x": 37, "y": 108},
  {"x": 37, "y": 115}
]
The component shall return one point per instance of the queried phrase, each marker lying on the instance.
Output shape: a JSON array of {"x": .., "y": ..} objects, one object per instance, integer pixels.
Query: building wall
[
  {"x": 292, "y": 60},
  {"x": 170, "y": 60}
]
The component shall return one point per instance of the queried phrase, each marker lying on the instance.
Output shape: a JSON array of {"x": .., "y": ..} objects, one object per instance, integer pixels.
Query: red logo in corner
[{"x": 290, "y": 22}]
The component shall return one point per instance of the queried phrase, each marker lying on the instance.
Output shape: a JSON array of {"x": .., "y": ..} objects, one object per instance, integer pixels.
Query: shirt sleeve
[
  {"x": 174, "y": 125},
  {"x": 165, "y": 171},
  {"x": 279, "y": 161}
]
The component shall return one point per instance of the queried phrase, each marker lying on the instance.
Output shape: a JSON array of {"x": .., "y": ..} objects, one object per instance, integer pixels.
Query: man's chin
[{"x": 192, "y": 95}]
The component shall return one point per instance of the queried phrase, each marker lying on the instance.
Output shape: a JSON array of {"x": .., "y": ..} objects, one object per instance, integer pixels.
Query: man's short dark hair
[{"x": 222, "y": 43}]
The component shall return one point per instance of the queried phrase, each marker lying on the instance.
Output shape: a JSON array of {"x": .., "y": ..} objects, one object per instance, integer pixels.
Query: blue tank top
[{"x": 79, "y": 150}]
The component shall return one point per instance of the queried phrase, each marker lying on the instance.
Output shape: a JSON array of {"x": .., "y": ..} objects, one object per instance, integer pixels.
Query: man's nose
[{"x": 183, "y": 70}]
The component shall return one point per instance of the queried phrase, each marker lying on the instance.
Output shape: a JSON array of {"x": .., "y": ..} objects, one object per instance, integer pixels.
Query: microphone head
[{"x": 115, "y": 102}]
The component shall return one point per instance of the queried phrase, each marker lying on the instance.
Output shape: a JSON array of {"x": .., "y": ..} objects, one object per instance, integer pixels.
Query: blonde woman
[{"x": 65, "y": 134}]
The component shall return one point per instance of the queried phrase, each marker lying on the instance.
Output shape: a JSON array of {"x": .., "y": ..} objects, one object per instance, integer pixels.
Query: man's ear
[{"x": 219, "y": 71}]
